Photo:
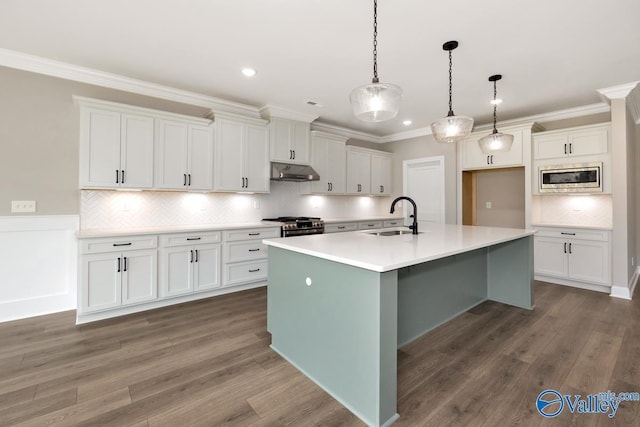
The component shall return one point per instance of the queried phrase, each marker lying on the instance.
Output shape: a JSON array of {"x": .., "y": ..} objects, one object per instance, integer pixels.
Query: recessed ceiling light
[
  {"x": 249, "y": 72},
  {"x": 407, "y": 122},
  {"x": 314, "y": 104},
  {"x": 496, "y": 101}
]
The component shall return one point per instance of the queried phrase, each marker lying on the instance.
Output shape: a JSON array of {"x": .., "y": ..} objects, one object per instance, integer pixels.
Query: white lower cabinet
[
  {"x": 246, "y": 256},
  {"x": 341, "y": 227},
  {"x": 575, "y": 255},
  {"x": 111, "y": 277},
  {"x": 189, "y": 263},
  {"x": 368, "y": 225},
  {"x": 125, "y": 274}
]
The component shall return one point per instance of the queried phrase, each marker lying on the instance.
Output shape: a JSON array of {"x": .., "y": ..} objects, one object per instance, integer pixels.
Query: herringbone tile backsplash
[
  {"x": 131, "y": 209},
  {"x": 582, "y": 210}
]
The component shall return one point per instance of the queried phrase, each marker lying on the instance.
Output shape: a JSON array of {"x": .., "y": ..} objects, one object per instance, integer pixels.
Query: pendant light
[
  {"x": 377, "y": 101},
  {"x": 451, "y": 128},
  {"x": 495, "y": 142}
]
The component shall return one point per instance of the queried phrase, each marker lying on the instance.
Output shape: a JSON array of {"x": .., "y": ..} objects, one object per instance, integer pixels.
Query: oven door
[{"x": 577, "y": 178}]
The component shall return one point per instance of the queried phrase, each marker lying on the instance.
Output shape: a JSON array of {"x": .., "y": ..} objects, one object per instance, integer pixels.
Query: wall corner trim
[{"x": 630, "y": 91}]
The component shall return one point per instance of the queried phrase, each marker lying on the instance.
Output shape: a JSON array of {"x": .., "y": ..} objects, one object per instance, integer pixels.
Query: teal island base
[{"x": 342, "y": 325}]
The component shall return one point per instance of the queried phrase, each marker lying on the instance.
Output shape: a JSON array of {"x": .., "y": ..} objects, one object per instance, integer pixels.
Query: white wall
[
  {"x": 426, "y": 146},
  {"x": 38, "y": 256}
]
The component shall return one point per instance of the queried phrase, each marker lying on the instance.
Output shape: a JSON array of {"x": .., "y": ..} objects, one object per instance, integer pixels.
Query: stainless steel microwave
[{"x": 574, "y": 178}]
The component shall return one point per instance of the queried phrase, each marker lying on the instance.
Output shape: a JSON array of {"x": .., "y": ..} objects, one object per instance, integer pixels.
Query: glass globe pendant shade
[
  {"x": 495, "y": 142},
  {"x": 452, "y": 129},
  {"x": 376, "y": 102}
]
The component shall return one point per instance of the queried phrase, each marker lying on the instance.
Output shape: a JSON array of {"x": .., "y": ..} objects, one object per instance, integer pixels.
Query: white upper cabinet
[
  {"x": 328, "y": 158},
  {"x": 575, "y": 142},
  {"x": 474, "y": 158},
  {"x": 368, "y": 172},
  {"x": 116, "y": 148},
  {"x": 241, "y": 155},
  {"x": 289, "y": 140},
  {"x": 380, "y": 175},
  {"x": 184, "y": 155},
  {"x": 358, "y": 172}
]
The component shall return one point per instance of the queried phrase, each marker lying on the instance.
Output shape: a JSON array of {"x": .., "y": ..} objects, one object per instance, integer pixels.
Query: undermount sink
[{"x": 388, "y": 232}]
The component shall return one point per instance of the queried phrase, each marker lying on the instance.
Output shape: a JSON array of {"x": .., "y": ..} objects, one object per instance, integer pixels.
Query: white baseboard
[
  {"x": 38, "y": 260},
  {"x": 626, "y": 292}
]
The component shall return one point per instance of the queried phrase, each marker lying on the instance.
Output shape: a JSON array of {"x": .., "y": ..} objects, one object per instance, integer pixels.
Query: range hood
[{"x": 291, "y": 172}]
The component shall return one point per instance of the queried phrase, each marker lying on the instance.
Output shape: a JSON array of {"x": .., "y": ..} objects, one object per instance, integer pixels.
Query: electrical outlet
[
  {"x": 488, "y": 205},
  {"x": 18, "y": 206}
]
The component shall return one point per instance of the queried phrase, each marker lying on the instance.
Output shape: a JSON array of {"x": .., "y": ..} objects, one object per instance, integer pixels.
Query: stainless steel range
[{"x": 299, "y": 226}]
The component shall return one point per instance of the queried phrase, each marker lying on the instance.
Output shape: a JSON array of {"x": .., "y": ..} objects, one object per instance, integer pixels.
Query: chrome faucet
[{"x": 414, "y": 226}]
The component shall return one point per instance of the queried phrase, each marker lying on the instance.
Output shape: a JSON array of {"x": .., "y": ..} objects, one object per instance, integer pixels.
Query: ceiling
[{"x": 553, "y": 54}]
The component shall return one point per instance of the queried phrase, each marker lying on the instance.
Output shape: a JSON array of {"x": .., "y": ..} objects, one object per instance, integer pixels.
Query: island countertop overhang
[{"x": 385, "y": 253}]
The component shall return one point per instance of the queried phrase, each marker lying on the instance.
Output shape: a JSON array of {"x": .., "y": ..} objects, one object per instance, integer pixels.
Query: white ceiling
[{"x": 553, "y": 54}]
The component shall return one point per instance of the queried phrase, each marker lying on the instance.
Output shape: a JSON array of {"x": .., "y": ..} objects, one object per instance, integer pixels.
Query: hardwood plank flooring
[{"x": 208, "y": 363}]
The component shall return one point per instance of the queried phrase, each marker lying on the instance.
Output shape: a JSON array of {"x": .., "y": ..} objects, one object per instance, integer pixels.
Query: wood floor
[{"x": 208, "y": 363}]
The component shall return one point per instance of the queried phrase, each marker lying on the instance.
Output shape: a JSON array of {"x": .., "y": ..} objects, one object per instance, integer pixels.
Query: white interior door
[{"x": 423, "y": 181}]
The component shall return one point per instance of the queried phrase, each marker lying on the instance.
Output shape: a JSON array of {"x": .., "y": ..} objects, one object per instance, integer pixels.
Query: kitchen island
[{"x": 340, "y": 305}]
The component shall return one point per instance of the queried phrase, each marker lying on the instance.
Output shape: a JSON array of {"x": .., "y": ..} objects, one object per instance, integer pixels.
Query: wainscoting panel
[{"x": 38, "y": 265}]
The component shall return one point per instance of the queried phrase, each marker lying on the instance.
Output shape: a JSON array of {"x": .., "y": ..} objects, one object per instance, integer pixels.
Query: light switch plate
[
  {"x": 488, "y": 205},
  {"x": 19, "y": 206}
]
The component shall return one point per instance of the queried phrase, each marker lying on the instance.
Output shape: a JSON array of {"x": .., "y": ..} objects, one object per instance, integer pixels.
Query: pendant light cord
[
  {"x": 375, "y": 42},
  {"x": 495, "y": 107},
  {"x": 450, "y": 87}
]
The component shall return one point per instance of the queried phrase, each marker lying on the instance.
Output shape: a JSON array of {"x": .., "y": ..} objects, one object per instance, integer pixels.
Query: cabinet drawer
[
  {"x": 245, "y": 272},
  {"x": 574, "y": 233},
  {"x": 393, "y": 223},
  {"x": 369, "y": 224},
  {"x": 167, "y": 240},
  {"x": 244, "y": 251},
  {"x": 251, "y": 234},
  {"x": 118, "y": 244},
  {"x": 338, "y": 228}
]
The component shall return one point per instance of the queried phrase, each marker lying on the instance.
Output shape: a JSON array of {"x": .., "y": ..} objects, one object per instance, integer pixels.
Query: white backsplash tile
[
  {"x": 578, "y": 210},
  {"x": 130, "y": 209}
]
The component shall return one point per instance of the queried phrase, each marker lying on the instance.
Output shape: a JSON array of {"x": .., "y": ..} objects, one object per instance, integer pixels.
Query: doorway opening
[{"x": 494, "y": 197}]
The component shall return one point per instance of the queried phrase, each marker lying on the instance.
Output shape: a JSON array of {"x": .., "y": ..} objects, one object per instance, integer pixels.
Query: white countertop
[
  {"x": 116, "y": 232},
  {"x": 386, "y": 253}
]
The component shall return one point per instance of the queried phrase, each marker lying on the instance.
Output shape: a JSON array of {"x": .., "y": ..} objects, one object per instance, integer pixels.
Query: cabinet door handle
[
  {"x": 359, "y": 188},
  {"x": 569, "y": 248},
  {"x": 117, "y": 176},
  {"x": 565, "y": 148},
  {"x": 341, "y": 227},
  {"x": 191, "y": 256},
  {"x": 247, "y": 181},
  {"x": 194, "y": 238},
  {"x": 122, "y": 244},
  {"x": 118, "y": 271},
  {"x": 122, "y": 177},
  {"x": 254, "y": 250},
  {"x": 196, "y": 255},
  {"x": 254, "y": 234},
  {"x": 382, "y": 188},
  {"x": 492, "y": 159},
  {"x": 488, "y": 160},
  {"x": 567, "y": 234},
  {"x": 184, "y": 181},
  {"x": 253, "y": 271},
  {"x": 125, "y": 263},
  {"x": 565, "y": 247},
  {"x": 294, "y": 154},
  {"x": 570, "y": 148},
  {"x": 189, "y": 180},
  {"x": 328, "y": 186},
  {"x": 290, "y": 154}
]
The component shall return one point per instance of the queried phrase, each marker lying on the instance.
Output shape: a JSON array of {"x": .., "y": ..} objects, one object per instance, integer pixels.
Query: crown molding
[
  {"x": 270, "y": 110},
  {"x": 568, "y": 113},
  {"x": 347, "y": 133},
  {"x": 630, "y": 92},
  {"x": 49, "y": 67}
]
